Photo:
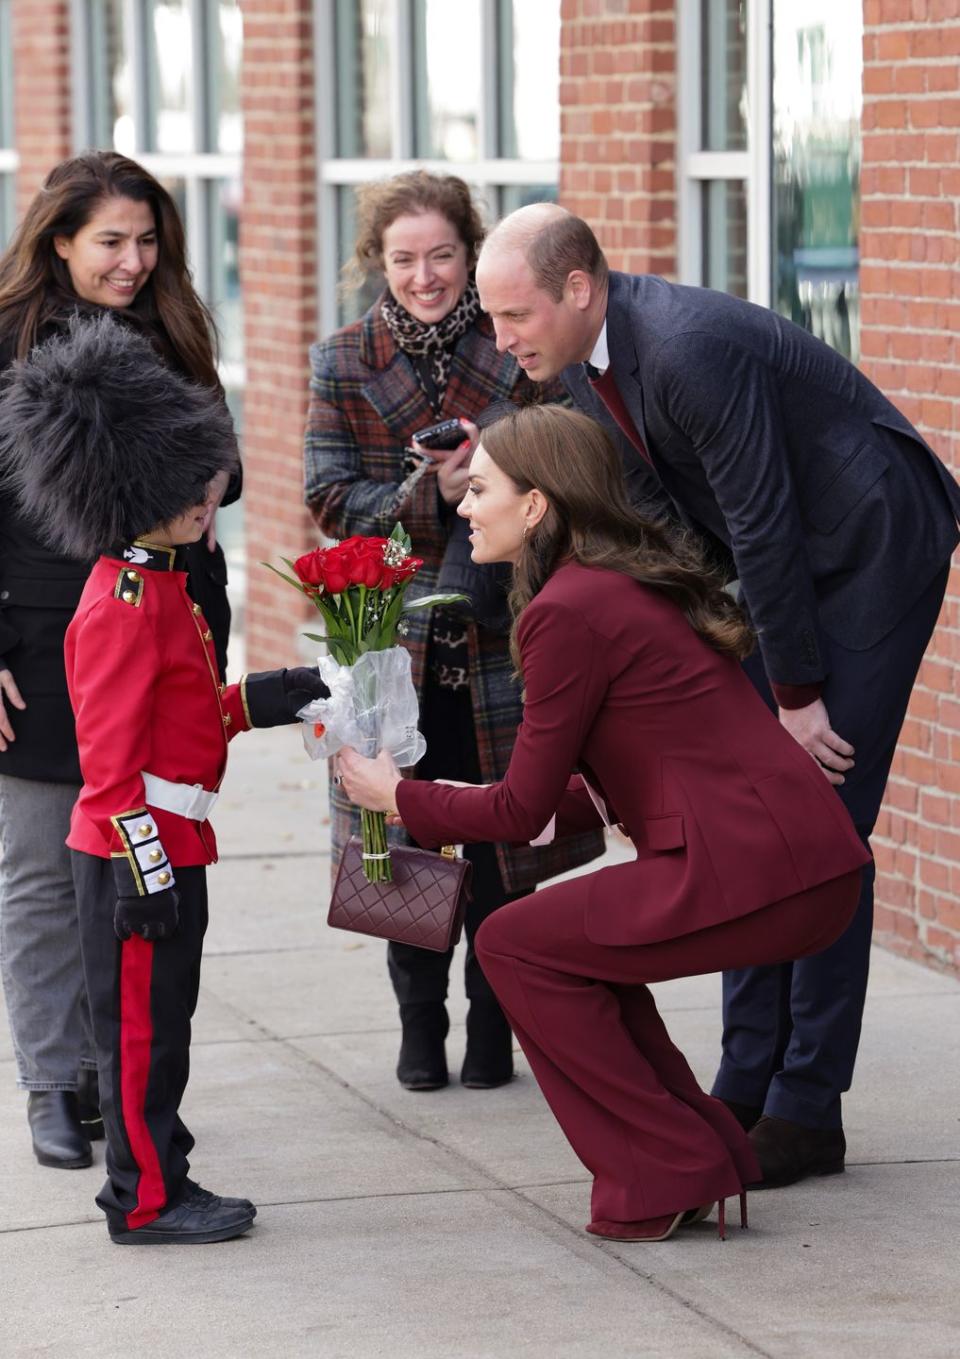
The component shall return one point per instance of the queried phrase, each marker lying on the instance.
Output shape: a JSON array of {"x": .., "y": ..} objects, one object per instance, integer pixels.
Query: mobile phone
[{"x": 446, "y": 434}]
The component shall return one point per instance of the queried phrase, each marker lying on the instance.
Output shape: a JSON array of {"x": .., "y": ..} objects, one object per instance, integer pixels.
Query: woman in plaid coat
[{"x": 425, "y": 352}]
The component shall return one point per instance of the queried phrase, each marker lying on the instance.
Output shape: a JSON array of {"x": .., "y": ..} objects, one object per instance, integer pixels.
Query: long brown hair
[
  {"x": 569, "y": 458},
  {"x": 35, "y": 285}
]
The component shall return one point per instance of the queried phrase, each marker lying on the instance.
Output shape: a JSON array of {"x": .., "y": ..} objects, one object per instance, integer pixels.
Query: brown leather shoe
[
  {"x": 789, "y": 1152},
  {"x": 747, "y": 1115}
]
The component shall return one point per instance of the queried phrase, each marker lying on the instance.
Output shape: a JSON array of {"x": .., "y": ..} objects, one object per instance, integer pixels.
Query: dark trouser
[
  {"x": 791, "y": 1032},
  {"x": 620, "y": 1090},
  {"x": 419, "y": 974},
  {"x": 142, "y": 999}
]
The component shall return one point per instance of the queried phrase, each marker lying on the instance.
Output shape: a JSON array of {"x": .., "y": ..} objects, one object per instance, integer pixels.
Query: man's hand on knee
[{"x": 810, "y": 727}]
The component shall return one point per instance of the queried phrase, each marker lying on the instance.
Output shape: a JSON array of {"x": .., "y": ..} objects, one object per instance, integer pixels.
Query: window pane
[
  {"x": 225, "y": 299},
  {"x": 226, "y": 79},
  {"x": 724, "y": 228},
  {"x": 6, "y": 75},
  {"x": 352, "y": 303},
  {"x": 446, "y": 79},
  {"x": 177, "y": 189},
  {"x": 364, "y": 35},
  {"x": 6, "y": 209},
  {"x": 513, "y": 196},
  {"x": 723, "y": 41},
  {"x": 170, "y": 44},
  {"x": 530, "y": 79},
  {"x": 816, "y": 155},
  {"x": 110, "y": 93}
]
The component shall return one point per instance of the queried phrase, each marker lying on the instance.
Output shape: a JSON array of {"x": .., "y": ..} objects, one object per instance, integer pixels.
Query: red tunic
[{"x": 142, "y": 674}]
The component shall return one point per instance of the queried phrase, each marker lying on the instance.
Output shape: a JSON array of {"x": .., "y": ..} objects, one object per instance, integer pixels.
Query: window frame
[
  {"x": 488, "y": 175},
  {"x": 9, "y": 155},
  {"x": 197, "y": 168},
  {"x": 752, "y": 167}
]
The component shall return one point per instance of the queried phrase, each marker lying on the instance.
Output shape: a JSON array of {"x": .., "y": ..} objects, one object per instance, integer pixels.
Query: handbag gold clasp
[{"x": 448, "y": 851}]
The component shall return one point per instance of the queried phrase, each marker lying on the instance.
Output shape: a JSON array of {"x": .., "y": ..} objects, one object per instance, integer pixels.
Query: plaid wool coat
[{"x": 365, "y": 404}]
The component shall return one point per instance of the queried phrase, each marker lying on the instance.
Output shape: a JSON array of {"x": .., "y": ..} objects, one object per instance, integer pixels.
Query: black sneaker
[
  {"x": 201, "y": 1198},
  {"x": 198, "y": 1219}
]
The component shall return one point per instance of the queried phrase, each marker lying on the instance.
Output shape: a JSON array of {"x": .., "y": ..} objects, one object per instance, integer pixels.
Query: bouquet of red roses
[{"x": 358, "y": 586}]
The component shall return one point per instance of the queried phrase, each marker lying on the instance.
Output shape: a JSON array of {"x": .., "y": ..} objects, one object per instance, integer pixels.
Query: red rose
[{"x": 309, "y": 567}]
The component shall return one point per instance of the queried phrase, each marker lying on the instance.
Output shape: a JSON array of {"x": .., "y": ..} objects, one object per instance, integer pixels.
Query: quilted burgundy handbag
[{"x": 424, "y": 904}]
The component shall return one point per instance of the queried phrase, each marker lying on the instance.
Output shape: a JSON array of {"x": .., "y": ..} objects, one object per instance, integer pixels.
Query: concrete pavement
[{"x": 449, "y": 1225}]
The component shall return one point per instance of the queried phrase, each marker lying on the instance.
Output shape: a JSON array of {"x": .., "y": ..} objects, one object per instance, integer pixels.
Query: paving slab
[{"x": 449, "y": 1225}]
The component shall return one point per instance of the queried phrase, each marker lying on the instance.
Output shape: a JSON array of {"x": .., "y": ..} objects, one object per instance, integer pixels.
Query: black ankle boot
[
  {"x": 423, "y": 1061},
  {"x": 489, "y": 1057},
  {"x": 58, "y": 1139},
  {"x": 88, "y": 1100}
]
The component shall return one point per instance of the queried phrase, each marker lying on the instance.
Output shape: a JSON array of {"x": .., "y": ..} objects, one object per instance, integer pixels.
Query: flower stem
[{"x": 373, "y": 828}]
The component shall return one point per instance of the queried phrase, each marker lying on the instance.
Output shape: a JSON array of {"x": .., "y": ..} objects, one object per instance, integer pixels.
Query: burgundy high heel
[{"x": 722, "y": 1215}]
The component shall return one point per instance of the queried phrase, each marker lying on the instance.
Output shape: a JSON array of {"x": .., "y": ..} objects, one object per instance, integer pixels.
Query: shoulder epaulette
[{"x": 129, "y": 586}]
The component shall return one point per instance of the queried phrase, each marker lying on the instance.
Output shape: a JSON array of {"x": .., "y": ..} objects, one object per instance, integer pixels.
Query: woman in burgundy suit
[{"x": 744, "y": 853}]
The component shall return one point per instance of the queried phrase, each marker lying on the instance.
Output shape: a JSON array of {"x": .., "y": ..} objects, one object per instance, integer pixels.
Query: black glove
[
  {"x": 276, "y": 696},
  {"x": 152, "y": 917}
]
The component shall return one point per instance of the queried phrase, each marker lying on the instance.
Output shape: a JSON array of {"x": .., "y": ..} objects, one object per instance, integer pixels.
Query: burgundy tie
[{"x": 607, "y": 390}]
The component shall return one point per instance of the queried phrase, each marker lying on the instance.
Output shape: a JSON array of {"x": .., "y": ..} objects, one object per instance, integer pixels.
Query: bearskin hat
[{"x": 100, "y": 442}]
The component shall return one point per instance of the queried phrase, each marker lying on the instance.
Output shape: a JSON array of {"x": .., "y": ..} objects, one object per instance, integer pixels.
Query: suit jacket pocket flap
[
  {"x": 665, "y": 832},
  {"x": 836, "y": 499}
]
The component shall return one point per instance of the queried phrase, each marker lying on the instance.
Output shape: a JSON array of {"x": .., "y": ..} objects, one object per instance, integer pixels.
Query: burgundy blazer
[{"x": 727, "y": 812}]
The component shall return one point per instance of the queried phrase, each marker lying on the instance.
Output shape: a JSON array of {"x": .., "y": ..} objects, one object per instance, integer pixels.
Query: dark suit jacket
[
  {"x": 836, "y": 512},
  {"x": 726, "y": 810}
]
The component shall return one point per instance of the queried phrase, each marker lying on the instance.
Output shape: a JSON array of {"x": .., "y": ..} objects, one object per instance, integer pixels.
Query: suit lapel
[{"x": 625, "y": 360}]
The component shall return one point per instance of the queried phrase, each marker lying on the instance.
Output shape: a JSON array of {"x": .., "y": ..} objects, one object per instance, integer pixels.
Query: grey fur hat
[{"x": 101, "y": 442}]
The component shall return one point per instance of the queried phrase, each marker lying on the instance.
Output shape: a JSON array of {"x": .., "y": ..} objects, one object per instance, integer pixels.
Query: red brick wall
[
  {"x": 41, "y": 93},
  {"x": 278, "y": 268},
  {"x": 618, "y": 127},
  {"x": 910, "y": 283}
]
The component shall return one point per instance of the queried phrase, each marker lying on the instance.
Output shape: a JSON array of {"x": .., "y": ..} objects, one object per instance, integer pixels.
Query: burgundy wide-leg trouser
[{"x": 621, "y": 1091}]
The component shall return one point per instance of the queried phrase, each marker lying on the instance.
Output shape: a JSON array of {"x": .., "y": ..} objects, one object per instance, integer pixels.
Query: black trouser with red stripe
[{"x": 142, "y": 998}]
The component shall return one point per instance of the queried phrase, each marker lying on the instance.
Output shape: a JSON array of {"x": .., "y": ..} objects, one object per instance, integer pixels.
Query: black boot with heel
[
  {"x": 489, "y": 1057},
  {"x": 423, "y": 1060},
  {"x": 58, "y": 1138}
]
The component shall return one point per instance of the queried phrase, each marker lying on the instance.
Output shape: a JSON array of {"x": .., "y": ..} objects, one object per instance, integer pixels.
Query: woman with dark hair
[
  {"x": 425, "y": 352},
  {"x": 630, "y": 655},
  {"x": 101, "y": 235}
]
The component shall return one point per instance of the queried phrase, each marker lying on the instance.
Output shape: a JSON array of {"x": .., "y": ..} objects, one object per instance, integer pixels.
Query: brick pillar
[
  {"x": 910, "y": 285},
  {"x": 41, "y": 91},
  {"x": 618, "y": 127},
  {"x": 278, "y": 266}
]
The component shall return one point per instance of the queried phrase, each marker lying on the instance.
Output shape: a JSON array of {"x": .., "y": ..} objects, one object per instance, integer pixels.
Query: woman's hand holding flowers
[{"x": 369, "y": 783}]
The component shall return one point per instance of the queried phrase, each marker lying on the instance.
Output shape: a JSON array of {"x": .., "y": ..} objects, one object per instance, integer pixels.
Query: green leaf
[
  {"x": 430, "y": 601},
  {"x": 291, "y": 580}
]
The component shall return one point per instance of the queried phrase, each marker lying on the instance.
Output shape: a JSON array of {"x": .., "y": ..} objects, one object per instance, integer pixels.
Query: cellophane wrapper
[{"x": 372, "y": 707}]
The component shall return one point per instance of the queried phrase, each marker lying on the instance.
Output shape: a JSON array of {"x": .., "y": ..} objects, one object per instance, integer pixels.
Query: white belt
[{"x": 184, "y": 799}]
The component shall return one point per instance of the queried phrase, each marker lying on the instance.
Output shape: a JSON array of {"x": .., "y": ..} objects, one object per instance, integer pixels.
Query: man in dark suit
[{"x": 837, "y": 520}]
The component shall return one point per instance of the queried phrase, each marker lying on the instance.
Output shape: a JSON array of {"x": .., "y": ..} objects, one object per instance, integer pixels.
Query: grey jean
[{"x": 39, "y": 936}]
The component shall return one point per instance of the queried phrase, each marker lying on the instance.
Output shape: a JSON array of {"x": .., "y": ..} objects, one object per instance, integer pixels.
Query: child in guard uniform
[{"x": 117, "y": 456}]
